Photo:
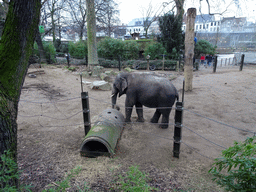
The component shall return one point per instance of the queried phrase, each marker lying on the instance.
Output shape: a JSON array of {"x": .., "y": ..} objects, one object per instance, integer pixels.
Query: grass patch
[{"x": 134, "y": 180}]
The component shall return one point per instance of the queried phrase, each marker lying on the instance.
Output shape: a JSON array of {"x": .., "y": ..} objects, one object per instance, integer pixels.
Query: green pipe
[{"x": 103, "y": 137}]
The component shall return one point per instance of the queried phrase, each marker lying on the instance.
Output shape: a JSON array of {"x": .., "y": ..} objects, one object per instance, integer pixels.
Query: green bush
[
  {"x": 78, "y": 50},
  {"x": 236, "y": 170},
  {"x": 204, "y": 47},
  {"x": 109, "y": 48},
  {"x": 49, "y": 49},
  {"x": 131, "y": 50},
  {"x": 9, "y": 173},
  {"x": 155, "y": 50}
]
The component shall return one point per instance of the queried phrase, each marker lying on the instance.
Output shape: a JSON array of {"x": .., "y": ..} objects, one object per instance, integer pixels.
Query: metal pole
[
  {"x": 119, "y": 62},
  {"x": 183, "y": 90},
  {"x": 86, "y": 112},
  {"x": 81, "y": 78},
  {"x": 179, "y": 62},
  {"x": 177, "y": 129},
  {"x": 178, "y": 125},
  {"x": 215, "y": 64},
  {"x": 242, "y": 63}
]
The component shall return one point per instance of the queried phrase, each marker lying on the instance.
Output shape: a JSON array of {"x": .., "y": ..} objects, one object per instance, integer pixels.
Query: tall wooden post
[{"x": 189, "y": 48}]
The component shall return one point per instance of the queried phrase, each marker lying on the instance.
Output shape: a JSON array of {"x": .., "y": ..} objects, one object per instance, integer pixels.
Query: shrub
[
  {"x": 171, "y": 35},
  {"x": 155, "y": 50},
  {"x": 239, "y": 162},
  {"x": 78, "y": 50},
  {"x": 50, "y": 52},
  {"x": 131, "y": 50},
  {"x": 109, "y": 48},
  {"x": 49, "y": 49},
  {"x": 9, "y": 173},
  {"x": 204, "y": 47}
]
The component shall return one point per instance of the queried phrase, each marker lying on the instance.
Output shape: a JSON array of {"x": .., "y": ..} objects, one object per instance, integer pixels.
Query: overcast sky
[{"x": 130, "y": 9}]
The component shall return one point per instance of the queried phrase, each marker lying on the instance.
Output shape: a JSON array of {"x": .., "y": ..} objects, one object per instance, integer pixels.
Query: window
[
  {"x": 196, "y": 27},
  {"x": 214, "y": 23},
  {"x": 207, "y": 26},
  {"x": 211, "y": 23}
]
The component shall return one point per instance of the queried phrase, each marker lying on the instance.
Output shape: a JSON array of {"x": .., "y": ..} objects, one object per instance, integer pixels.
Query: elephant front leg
[
  {"x": 128, "y": 108},
  {"x": 128, "y": 113},
  {"x": 139, "y": 111}
]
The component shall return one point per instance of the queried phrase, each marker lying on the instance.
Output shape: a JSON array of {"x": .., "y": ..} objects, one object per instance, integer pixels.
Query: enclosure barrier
[
  {"x": 86, "y": 111},
  {"x": 103, "y": 137},
  {"x": 177, "y": 129},
  {"x": 178, "y": 125}
]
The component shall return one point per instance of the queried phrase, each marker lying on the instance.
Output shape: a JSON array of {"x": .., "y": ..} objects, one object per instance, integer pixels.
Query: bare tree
[
  {"x": 15, "y": 48},
  {"x": 105, "y": 12},
  {"x": 107, "y": 17},
  {"x": 151, "y": 14},
  {"x": 54, "y": 8},
  {"x": 78, "y": 14}
]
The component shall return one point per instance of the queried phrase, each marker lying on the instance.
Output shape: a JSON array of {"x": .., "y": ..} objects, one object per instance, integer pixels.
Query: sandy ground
[{"x": 50, "y": 130}]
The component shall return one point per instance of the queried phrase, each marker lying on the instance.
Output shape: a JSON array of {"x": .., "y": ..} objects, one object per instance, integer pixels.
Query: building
[
  {"x": 136, "y": 28},
  {"x": 205, "y": 23}
]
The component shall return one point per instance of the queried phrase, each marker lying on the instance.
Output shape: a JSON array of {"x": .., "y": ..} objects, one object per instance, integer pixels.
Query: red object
[{"x": 202, "y": 58}]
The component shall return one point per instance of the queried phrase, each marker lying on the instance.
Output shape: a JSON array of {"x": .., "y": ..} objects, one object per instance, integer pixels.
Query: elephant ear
[{"x": 124, "y": 84}]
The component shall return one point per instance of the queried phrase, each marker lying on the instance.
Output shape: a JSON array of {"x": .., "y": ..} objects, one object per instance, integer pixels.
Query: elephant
[{"x": 148, "y": 90}]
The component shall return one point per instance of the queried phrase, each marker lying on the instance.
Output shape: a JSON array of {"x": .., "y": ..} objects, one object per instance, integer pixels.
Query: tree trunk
[
  {"x": 189, "y": 48},
  {"x": 40, "y": 46},
  {"x": 91, "y": 34},
  {"x": 15, "y": 48},
  {"x": 179, "y": 6}
]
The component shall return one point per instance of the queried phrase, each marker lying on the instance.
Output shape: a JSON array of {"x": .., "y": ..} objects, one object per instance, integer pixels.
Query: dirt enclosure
[{"x": 50, "y": 130}]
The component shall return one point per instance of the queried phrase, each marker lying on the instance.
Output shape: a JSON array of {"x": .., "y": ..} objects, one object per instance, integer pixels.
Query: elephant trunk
[{"x": 114, "y": 97}]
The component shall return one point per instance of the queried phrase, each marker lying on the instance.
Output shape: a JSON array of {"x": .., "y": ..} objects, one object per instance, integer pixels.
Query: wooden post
[
  {"x": 189, "y": 48},
  {"x": 242, "y": 63},
  {"x": 148, "y": 57}
]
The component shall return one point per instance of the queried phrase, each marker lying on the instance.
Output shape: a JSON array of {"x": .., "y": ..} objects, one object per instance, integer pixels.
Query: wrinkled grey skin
[{"x": 148, "y": 90}]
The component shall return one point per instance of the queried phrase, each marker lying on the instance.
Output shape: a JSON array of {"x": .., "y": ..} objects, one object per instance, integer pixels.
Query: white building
[
  {"x": 136, "y": 28},
  {"x": 205, "y": 23}
]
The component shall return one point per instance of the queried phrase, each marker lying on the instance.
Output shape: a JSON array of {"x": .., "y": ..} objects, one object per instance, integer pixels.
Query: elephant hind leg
[
  {"x": 139, "y": 111},
  {"x": 156, "y": 116},
  {"x": 165, "y": 118}
]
